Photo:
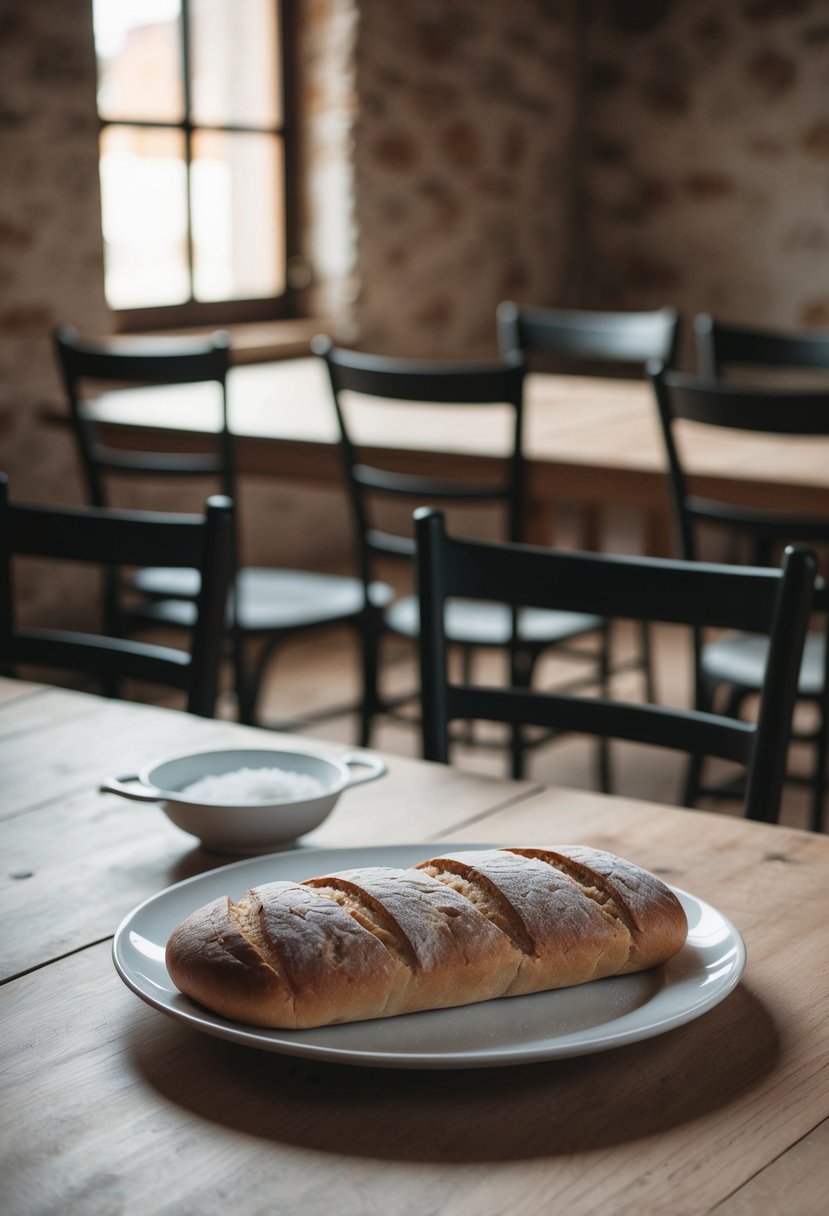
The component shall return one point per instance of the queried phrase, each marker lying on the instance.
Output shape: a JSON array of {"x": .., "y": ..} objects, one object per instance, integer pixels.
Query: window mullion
[
  {"x": 188, "y": 139},
  {"x": 247, "y": 169}
]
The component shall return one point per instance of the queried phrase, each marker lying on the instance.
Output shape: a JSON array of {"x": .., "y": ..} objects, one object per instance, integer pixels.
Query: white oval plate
[{"x": 514, "y": 1030}]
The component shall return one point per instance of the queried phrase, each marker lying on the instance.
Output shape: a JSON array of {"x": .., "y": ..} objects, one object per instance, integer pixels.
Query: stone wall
[
  {"x": 328, "y": 102},
  {"x": 461, "y": 162},
  {"x": 51, "y": 260},
  {"x": 704, "y": 171}
]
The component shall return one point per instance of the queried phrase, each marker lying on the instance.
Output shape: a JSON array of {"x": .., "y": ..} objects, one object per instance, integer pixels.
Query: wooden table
[
  {"x": 589, "y": 441},
  {"x": 111, "y": 1107}
]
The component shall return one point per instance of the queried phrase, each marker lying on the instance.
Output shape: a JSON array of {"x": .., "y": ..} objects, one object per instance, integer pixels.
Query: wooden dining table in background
[
  {"x": 590, "y": 441},
  {"x": 108, "y": 1106}
]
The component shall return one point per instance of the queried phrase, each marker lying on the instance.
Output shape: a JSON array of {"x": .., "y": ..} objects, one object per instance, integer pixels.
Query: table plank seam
[
  {"x": 763, "y": 1168},
  {"x": 531, "y": 792},
  {"x": 56, "y": 958}
]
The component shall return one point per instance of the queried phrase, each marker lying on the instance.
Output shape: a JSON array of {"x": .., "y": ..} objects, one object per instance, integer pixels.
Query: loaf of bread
[{"x": 458, "y": 928}]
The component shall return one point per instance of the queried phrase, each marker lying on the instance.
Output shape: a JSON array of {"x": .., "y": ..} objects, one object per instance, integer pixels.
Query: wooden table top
[
  {"x": 111, "y": 1107},
  {"x": 587, "y": 439}
]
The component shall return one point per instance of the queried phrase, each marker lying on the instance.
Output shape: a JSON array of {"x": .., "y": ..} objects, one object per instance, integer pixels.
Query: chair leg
[
  {"x": 819, "y": 782},
  {"x": 516, "y": 751},
  {"x": 467, "y": 675},
  {"x": 370, "y": 633},
  {"x": 522, "y": 665},
  {"x": 603, "y": 744},
  {"x": 605, "y": 766},
  {"x": 735, "y": 700},
  {"x": 245, "y": 701},
  {"x": 113, "y": 626},
  {"x": 693, "y": 777},
  {"x": 248, "y": 686},
  {"x": 646, "y": 651},
  {"x": 703, "y": 701}
]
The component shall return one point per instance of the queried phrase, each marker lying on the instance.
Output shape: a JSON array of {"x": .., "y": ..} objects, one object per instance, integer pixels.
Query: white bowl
[{"x": 246, "y": 827}]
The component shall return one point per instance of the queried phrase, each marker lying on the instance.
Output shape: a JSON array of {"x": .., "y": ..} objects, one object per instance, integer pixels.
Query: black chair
[
  {"x": 722, "y": 348},
  {"x": 736, "y": 661},
  {"x": 370, "y": 475},
  {"x": 268, "y": 606},
  {"x": 656, "y": 589},
  {"x": 596, "y": 341},
  {"x": 603, "y": 343},
  {"x": 109, "y": 538}
]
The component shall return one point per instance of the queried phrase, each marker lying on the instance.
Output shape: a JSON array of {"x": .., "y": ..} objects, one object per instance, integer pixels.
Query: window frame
[{"x": 193, "y": 312}]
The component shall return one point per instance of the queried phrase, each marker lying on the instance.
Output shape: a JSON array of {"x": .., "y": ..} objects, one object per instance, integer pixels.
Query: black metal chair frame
[
  {"x": 696, "y": 594},
  {"x": 107, "y": 538},
  {"x": 163, "y": 596},
  {"x": 628, "y": 339},
  {"x": 449, "y": 385},
  {"x": 604, "y": 341},
  {"x": 116, "y": 361},
  {"x": 719, "y": 404},
  {"x": 720, "y": 344}
]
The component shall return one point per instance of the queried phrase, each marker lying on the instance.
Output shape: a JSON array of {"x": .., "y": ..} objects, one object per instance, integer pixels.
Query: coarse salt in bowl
[
  {"x": 250, "y": 786},
  {"x": 247, "y": 800}
]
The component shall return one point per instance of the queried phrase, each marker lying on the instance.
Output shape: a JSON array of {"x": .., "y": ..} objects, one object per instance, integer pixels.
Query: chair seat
[
  {"x": 479, "y": 623},
  {"x": 268, "y": 600},
  {"x": 740, "y": 658}
]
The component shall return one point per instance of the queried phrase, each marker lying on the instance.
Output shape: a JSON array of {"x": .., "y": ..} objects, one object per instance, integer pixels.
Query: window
[{"x": 196, "y": 158}]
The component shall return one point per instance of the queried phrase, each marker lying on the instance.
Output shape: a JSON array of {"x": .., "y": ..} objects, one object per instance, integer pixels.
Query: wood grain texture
[
  {"x": 685, "y": 1116},
  {"x": 62, "y": 834},
  {"x": 587, "y": 439},
  {"x": 110, "y": 1107},
  {"x": 795, "y": 1182}
]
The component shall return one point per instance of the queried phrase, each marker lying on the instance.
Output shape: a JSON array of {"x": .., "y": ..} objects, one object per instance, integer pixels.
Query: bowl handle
[
  {"x": 376, "y": 767},
  {"x": 144, "y": 793}
]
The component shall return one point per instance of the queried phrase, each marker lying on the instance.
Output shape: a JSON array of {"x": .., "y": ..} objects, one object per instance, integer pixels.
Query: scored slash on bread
[{"x": 453, "y": 930}]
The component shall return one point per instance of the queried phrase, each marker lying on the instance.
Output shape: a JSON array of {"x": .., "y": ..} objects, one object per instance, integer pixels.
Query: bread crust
[{"x": 456, "y": 929}]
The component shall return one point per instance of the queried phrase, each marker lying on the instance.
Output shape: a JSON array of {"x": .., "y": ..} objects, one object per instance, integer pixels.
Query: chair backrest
[
  {"x": 107, "y": 538},
  {"x": 396, "y": 382},
  {"x": 624, "y": 339},
  {"x": 721, "y": 346},
  {"x": 120, "y": 362},
  {"x": 771, "y": 602},
  {"x": 740, "y": 407}
]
